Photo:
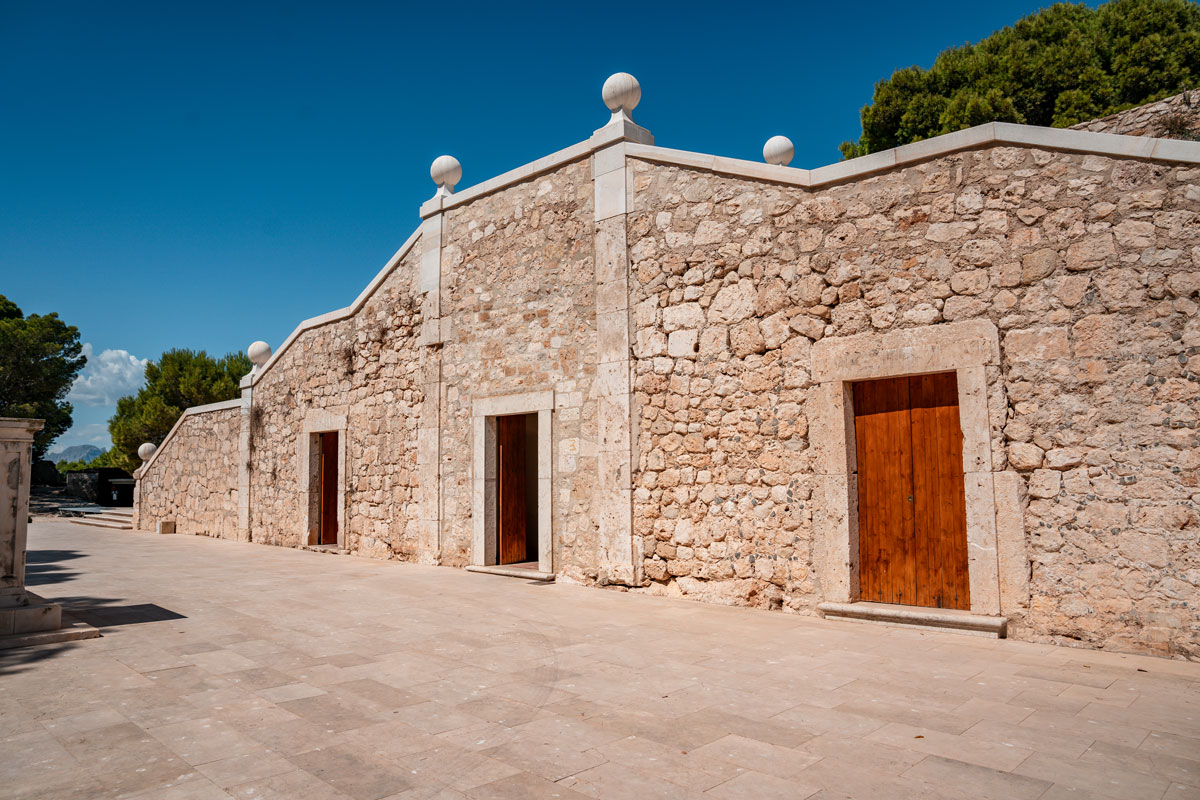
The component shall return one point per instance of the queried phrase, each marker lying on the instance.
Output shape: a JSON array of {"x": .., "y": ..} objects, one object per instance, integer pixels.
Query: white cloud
[{"x": 107, "y": 377}]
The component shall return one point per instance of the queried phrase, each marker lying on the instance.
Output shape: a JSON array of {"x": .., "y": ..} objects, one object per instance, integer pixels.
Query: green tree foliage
[
  {"x": 178, "y": 380},
  {"x": 105, "y": 459},
  {"x": 40, "y": 355},
  {"x": 1062, "y": 65}
]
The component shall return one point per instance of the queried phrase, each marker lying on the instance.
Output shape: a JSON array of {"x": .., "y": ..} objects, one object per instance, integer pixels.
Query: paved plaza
[{"x": 247, "y": 671}]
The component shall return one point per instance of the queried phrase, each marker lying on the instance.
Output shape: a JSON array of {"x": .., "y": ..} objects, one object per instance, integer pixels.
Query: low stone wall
[
  {"x": 1174, "y": 117},
  {"x": 193, "y": 478}
]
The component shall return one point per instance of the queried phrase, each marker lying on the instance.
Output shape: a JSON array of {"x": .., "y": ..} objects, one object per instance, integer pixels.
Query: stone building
[{"x": 956, "y": 383}]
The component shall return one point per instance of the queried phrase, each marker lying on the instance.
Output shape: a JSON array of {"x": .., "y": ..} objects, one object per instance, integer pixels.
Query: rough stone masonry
[{"x": 687, "y": 325}]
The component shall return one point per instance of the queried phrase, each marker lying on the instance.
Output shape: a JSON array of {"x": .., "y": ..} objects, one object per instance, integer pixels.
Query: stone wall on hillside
[
  {"x": 193, "y": 480},
  {"x": 1086, "y": 266},
  {"x": 359, "y": 376},
  {"x": 1174, "y": 117}
]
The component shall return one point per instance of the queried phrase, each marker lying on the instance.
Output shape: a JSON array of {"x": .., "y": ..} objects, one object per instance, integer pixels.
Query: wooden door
[
  {"x": 912, "y": 519},
  {"x": 329, "y": 487},
  {"x": 510, "y": 491}
]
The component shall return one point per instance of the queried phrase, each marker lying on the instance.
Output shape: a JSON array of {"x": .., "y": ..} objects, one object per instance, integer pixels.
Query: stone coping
[
  {"x": 986, "y": 135},
  {"x": 992, "y": 133},
  {"x": 187, "y": 412},
  {"x": 946, "y": 618},
  {"x": 608, "y": 135},
  {"x": 334, "y": 316},
  {"x": 19, "y": 429}
]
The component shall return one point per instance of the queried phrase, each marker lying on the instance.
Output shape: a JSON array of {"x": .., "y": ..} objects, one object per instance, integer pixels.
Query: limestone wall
[
  {"x": 519, "y": 287},
  {"x": 1076, "y": 275},
  {"x": 360, "y": 376},
  {"x": 1174, "y": 117},
  {"x": 1086, "y": 265},
  {"x": 193, "y": 479}
]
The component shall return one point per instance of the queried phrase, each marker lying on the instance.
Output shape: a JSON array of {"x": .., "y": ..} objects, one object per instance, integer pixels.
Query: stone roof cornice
[
  {"x": 333, "y": 316},
  {"x": 987, "y": 135},
  {"x": 635, "y": 140}
]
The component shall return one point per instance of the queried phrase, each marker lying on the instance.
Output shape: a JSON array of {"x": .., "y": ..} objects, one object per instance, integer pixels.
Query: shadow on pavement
[
  {"x": 42, "y": 567},
  {"x": 25, "y": 658},
  {"x": 101, "y": 612}
]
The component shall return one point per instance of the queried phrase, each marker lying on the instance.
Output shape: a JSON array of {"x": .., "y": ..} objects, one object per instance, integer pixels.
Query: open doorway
[
  {"x": 517, "y": 490},
  {"x": 327, "y": 480}
]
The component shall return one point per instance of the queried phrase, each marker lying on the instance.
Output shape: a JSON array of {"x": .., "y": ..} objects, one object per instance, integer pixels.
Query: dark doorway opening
[
  {"x": 516, "y": 489},
  {"x": 328, "y": 481}
]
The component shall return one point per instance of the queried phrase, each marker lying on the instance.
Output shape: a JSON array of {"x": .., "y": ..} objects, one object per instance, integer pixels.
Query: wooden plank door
[
  {"x": 329, "y": 484},
  {"x": 510, "y": 491},
  {"x": 911, "y": 500},
  {"x": 939, "y": 496}
]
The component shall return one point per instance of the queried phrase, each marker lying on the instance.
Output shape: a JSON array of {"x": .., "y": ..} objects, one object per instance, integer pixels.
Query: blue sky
[{"x": 206, "y": 174}]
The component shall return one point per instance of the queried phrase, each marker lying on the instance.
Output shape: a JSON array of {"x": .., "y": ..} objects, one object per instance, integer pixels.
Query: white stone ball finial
[
  {"x": 446, "y": 173},
  {"x": 258, "y": 353},
  {"x": 147, "y": 451},
  {"x": 621, "y": 94},
  {"x": 778, "y": 150}
]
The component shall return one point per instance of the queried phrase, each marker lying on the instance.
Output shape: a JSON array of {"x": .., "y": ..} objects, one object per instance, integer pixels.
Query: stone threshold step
[
  {"x": 103, "y": 523},
  {"x": 106, "y": 517},
  {"x": 514, "y": 572},
  {"x": 328, "y": 549},
  {"x": 947, "y": 619},
  {"x": 72, "y": 630}
]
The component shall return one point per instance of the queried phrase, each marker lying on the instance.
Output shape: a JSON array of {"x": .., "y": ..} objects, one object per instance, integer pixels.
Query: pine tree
[
  {"x": 1059, "y": 66},
  {"x": 40, "y": 355},
  {"x": 177, "y": 381}
]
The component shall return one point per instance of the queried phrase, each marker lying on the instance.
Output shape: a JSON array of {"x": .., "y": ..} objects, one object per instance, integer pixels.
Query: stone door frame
[
  {"x": 967, "y": 348},
  {"x": 308, "y": 456},
  {"x": 484, "y": 410}
]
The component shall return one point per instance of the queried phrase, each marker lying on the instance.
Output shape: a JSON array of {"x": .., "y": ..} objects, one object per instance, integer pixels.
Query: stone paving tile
[
  {"x": 405, "y": 683},
  {"x": 454, "y": 767},
  {"x": 986, "y": 784},
  {"x": 1171, "y": 744},
  {"x": 1179, "y": 791},
  {"x": 771, "y": 759},
  {"x": 195, "y": 789},
  {"x": 1086, "y": 725},
  {"x": 1109, "y": 781},
  {"x": 760, "y": 787},
  {"x": 295, "y": 785},
  {"x": 621, "y": 782},
  {"x": 866, "y": 753},
  {"x": 677, "y": 766},
  {"x": 849, "y": 779},
  {"x": 523, "y": 786},
  {"x": 243, "y": 769},
  {"x": 1173, "y": 768},
  {"x": 1049, "y": 742},
  {"x": 200, "y": 741},
  {"x": 973, "y": 751},
  {"x": 288, "y": 691},
  {"x": 360, "y": 776}
]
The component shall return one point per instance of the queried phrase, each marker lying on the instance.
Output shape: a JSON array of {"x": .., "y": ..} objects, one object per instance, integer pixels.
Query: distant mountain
[{"x": 78, "y": 452}]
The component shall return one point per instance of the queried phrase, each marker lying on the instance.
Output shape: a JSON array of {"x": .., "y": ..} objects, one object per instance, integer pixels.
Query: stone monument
[{"x": 25, "y": 618}]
